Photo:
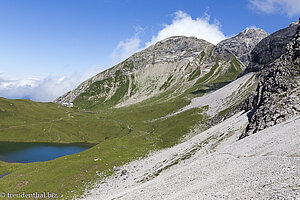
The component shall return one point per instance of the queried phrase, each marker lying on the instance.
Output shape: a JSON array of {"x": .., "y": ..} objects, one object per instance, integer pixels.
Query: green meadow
[{"x": 118, "y": 135}]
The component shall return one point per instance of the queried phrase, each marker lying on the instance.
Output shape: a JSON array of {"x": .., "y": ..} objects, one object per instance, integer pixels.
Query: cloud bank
[
  {"x": 42, "y": 89},
  {"x": 289, "y": 7},
  {"x": 182, "y": 25}
]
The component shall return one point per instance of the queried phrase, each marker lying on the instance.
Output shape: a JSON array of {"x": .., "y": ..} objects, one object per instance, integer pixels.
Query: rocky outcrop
[
  {"x": 242, "y": 44},
  {"x": 270, "y": 48},
  {"x": 277, "y": 96}
]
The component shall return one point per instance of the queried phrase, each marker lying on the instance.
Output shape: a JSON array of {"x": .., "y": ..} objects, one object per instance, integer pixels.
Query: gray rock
[
  {"x": 242, "y": 44},
  {"x": 124, "y": 172},
  {"x": 277, "y": 95},
  {"x": 270, "y": 48}
]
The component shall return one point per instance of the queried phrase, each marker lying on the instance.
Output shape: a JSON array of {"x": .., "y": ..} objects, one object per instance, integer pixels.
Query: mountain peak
[
  {"x": 271, "y": 48},
  {"x": 295, "y": 23},
  {"x": 242, "y": 44},
  {"x": 148, "y": 70},
  {"x": 253, "y": 30},
  {"x": 174, "y": 63},
  {"x": 180, "y": 42},
  {"x": 175, "y": 38}
]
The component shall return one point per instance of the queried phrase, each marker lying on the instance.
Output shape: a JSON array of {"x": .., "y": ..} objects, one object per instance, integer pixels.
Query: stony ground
[
  {"x": 215, "y": 165},
  {"x": 223, "y": 98}
]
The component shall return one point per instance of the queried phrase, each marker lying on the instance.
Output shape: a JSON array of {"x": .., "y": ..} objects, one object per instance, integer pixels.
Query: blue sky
[{"x": 48, "y": 47}]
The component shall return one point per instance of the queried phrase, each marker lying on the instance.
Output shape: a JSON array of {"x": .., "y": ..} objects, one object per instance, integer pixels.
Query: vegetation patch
[
  {"x": 196, "y": 73},
  {"x": 231, "y": 73},
  {"x": 202, "y": 54},
  {"x": 167, "y": 83}
]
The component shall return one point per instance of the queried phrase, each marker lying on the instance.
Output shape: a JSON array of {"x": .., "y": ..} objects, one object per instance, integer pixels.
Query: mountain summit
[
  {"x": 271, "y": 48},
  {"x": 168, "y": 68},
  {"x": 242, "y": 44}
]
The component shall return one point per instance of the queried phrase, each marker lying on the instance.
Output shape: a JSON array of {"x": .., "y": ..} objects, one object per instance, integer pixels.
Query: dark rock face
[
  {"x": 270, "y": 48},
  {"x": 277, "y": 97},
  {"x": 242, "y": 44}
]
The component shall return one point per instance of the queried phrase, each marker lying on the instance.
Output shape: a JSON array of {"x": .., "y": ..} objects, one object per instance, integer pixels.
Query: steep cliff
[
  {"x": 277, "y": 95},
  {"x": 270, "y": 48}
]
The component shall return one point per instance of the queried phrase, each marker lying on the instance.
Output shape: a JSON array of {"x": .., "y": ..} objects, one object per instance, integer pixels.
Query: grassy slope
[
  {"x": 121, "y": 134},
  {"x": 27, "y": 121}
]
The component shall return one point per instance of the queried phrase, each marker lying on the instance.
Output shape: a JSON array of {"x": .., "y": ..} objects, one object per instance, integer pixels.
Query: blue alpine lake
[{"x": 21, "y": 152}]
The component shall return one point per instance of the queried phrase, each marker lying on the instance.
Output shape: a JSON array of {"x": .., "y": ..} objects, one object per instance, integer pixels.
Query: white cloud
[
  {"x": 252, "y": 27},
  {"x": 42, "y": 89},
  {"x": 126, "y": 48},
  {"x": 289, "y": 7},
  {"x": 182, "y": 25}
]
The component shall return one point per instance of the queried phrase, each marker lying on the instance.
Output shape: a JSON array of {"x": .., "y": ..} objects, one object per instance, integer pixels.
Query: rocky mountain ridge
[
  {"x": 175, "y": 63},
  {"x": 168, "y": 50},
  {"x": 242, "y": 44},
  {"x": 277, "y": 95},
  {"x": 172, "y": 65},
  {"x": 270, "y": 48}
]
